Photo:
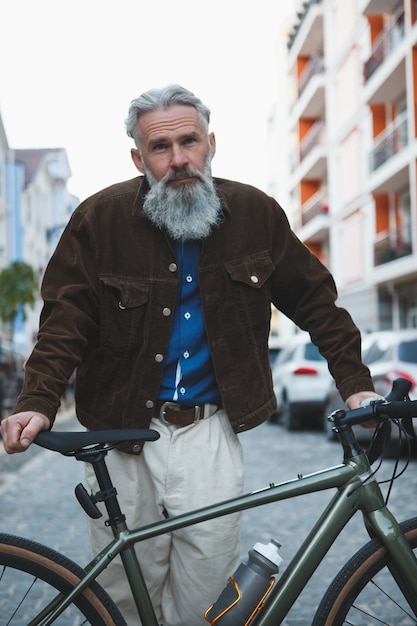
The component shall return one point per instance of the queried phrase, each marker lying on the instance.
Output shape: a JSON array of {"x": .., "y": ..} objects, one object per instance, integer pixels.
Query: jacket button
[
  {"x": 172, "y": 267},
  {"x": 254, "y": 279},
  {"x": 159, "y": 358},
  {"x": 137, "y": 447},
  {"x": 149, "y": 404},
  {"x": 166, "y": 312}
]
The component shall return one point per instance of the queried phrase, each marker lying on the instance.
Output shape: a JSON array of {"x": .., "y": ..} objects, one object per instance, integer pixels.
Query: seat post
[{"x": 107, "y": 493}]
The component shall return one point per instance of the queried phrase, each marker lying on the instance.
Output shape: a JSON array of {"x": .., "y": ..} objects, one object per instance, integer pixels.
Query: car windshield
[
  {"x": 311, "y": 353},
  {"x": 375, "y": 352},
  {"x": 407, "y": 351}
]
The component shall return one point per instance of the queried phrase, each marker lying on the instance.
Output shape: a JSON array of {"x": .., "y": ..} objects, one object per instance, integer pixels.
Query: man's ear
[
  {"x": 212, "y": 142},
  {"x": 137, "y": 160}
]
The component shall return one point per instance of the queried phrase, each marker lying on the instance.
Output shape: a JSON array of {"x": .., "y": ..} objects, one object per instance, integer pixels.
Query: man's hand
[
  {"x": 356, "y": 400},
  {"x": 19, "y": 430}
]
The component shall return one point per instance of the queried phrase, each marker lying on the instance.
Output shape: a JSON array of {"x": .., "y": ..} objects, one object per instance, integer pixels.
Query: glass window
[
  {"x": 407, "y": 351},
  {"x": 311, "y": 353}
]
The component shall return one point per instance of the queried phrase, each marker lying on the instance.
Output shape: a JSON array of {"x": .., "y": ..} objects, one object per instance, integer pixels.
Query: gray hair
[{"x": 162, "y": 98}]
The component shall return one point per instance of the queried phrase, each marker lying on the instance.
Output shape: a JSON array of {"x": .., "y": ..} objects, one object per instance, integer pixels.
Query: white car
[
  {"x": 389, "y": 355},
  {"x": 301, "y": 381}
]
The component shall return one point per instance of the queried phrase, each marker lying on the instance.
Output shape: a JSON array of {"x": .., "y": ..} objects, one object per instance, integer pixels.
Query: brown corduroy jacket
[{"x": 109, "y": 293}]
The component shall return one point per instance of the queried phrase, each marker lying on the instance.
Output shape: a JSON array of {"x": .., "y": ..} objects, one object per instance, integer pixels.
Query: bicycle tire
[
  {"x": 364, "y": 593},
  {"x": 30, "y": 576}
]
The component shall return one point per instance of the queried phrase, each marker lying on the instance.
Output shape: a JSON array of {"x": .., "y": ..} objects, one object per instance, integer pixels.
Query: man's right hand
[{"x": 19, "y": 430}]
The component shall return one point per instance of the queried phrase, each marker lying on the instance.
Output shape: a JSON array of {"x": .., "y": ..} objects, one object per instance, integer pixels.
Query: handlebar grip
[
  {"x": 397, "y": 409},
  {"x": 379, "y": 411}
]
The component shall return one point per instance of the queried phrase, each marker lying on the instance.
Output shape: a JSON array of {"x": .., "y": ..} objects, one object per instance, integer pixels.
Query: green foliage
[{"x": 18, "y": 286}]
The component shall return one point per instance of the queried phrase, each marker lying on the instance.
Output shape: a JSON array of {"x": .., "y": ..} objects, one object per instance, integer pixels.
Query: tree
[{"x": 18, "y": 286}]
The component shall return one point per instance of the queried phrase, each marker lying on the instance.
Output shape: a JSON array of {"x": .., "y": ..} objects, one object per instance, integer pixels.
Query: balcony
[
  {"x": 313, "y": 67},
  {"x": 310, "y": 20},
  {"x": 390, "y": 142},
  {"x": 389, "y": 246},
  {"x": 314, "y": 207},
  {"x": 377, "y": 7},
  {"x": 387, "y": 41},
  {"x": 313, "y": 138}
]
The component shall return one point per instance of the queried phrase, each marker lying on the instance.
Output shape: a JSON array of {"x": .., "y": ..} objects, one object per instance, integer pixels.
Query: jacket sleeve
[
  {"x": 304, "y": 290},
  {"x": 69, "y": 319}
]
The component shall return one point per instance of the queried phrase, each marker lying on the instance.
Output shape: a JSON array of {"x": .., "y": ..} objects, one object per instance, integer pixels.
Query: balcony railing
[
  {"x": 390, "y": 141},
  {"x": 313, "y": 138},
  {"x": 301, "y": 17},
  {"x": 313, "y": 67},
  {"x": 390, "y": 245},
  {"x": 390, "y": 37},
  {"x": 315, "y": 206}
]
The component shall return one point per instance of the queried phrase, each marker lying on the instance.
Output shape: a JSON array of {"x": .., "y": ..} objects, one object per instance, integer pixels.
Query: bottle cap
[{"x": 269, "y": 551}]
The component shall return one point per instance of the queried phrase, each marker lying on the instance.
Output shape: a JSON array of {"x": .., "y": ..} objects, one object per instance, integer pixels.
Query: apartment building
[
  {"x": 35, "y": 205},
  {"x": 41, "y": 206},
  {"x": 353, "y": 151}
]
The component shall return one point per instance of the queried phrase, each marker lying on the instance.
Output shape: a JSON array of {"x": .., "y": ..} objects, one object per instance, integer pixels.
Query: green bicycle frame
[{"x": 354, "y": 492}]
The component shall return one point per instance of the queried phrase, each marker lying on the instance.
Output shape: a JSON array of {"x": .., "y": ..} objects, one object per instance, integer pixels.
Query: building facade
[
  {"x": 35, "y": 205},
  {"x": 352, "y": 187}
]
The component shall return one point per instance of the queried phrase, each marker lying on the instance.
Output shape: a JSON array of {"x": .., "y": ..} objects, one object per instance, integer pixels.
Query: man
[{"x": 159, "y": 293}]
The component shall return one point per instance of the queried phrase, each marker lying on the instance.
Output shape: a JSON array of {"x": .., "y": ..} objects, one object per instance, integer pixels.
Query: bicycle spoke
[
  {"x": 25, "y": 595},
  {"x": 373, "y": 617},
  {"x": 365, "y": 593},
  {"x": 366, "y": 604},
  {"x": 22, "y": 598}
]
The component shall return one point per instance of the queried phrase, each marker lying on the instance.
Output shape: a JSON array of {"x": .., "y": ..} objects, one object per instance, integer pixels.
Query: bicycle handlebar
[{"x": 393, "y": 407}]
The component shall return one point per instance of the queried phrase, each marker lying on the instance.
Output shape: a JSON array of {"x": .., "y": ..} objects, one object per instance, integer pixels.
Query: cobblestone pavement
[{"x": 37, "y": 501}]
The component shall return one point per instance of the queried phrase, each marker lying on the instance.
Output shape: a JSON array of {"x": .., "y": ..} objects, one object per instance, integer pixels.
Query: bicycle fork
[{"x": 403, "y": 567}]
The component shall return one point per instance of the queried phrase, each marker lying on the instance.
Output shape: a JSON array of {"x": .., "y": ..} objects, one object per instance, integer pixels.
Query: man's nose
[{"x": 178, "y": 157}]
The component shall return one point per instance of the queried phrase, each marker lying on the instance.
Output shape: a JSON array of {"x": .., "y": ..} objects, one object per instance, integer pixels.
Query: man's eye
[
  {"x": 189, "y": 140},
  {"x": 159, "y": 146}
]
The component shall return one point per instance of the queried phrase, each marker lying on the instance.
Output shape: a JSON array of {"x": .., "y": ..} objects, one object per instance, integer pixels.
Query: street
[{"x": 37, "y": 501}]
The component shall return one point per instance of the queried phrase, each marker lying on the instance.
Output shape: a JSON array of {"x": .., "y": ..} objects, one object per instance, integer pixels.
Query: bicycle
[{"x": 378, "y": 583}]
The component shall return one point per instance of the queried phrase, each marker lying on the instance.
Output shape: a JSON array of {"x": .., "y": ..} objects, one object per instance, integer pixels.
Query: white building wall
[{"x": 341, "y": 31}]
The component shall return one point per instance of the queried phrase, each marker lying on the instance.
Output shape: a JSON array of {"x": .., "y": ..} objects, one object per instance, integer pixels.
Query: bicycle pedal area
[{"x": 37, "y": 501}]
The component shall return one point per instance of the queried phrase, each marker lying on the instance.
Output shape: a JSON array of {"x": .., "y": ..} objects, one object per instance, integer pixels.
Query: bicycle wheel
[
  {"x": 30, "y": 576},
  {"x": 364, "y": 592}
]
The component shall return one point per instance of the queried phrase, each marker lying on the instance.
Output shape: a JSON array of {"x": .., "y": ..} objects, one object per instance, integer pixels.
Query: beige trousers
[{"x": 187, "y": 468}]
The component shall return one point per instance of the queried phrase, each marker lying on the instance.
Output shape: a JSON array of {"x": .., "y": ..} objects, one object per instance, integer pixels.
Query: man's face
[{"x": 172, "y": 140}]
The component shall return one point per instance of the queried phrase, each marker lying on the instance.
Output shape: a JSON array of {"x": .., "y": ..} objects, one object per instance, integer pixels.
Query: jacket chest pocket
[
  {"x": 123, "y": 308},
  {"x": 250, "y": 286},
  {"x": 251, "y": 271}
]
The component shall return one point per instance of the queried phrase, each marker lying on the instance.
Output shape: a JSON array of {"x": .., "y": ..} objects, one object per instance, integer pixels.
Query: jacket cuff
[
  {"x": 355, "y": 385},
  {"x": 38, "y": 406}
]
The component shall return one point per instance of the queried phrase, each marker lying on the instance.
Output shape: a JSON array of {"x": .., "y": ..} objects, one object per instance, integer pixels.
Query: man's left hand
[{"x": 356, "y": 399}]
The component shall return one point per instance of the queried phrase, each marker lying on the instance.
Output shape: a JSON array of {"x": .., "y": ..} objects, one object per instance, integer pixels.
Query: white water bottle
[{"x": 246, "y": 590}]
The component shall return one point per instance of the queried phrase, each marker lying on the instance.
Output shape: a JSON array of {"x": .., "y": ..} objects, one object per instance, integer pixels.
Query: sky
[{"x": 69, "y": 69}]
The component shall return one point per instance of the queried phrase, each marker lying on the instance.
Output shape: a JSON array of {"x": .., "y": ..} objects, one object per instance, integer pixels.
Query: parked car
[
  {"x": 389, "y": 355},
  {"x": 301, "y": 381}
]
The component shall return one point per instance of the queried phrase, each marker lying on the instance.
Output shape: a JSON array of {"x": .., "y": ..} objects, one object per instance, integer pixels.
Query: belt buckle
[
  {"x": 165, "y": 405},
  {"x": 197, "y": 413},
  {"x": 163, "y": 409}
]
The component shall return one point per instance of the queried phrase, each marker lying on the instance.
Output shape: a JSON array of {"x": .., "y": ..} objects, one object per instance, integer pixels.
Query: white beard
[{"x": 188, "y": 211}]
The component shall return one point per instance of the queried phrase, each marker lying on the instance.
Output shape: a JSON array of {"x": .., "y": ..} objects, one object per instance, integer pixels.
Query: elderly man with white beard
[{"x": 159, "y": 295}]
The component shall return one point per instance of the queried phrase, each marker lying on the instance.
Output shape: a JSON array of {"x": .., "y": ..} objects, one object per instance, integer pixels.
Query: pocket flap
[
  {"x": 130, "y": 293},
  {"x": 252, "y": 271}
]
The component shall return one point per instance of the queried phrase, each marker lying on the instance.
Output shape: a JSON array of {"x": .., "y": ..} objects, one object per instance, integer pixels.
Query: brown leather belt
[{"x": 182, "y": 415}]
